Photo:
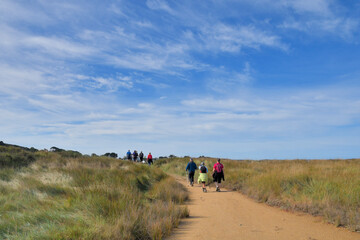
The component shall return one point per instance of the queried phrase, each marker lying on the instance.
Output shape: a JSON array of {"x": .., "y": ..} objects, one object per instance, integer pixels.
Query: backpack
[
  {"x": 203, "y": 169},
  {"x": 218, "y": 167}
]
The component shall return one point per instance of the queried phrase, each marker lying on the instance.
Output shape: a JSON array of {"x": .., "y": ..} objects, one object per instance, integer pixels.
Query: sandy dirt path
[{"x": 230, "y": 215}]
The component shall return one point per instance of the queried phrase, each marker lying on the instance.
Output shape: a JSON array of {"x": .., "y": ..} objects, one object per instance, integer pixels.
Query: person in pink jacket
[{"x": 218, "y": 174}]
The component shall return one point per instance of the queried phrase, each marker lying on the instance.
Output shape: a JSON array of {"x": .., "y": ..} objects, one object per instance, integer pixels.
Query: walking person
[
  {"x": 149, "y": 159},
  {"x": 203, "y": 177},
  {"x": 128, "y": 155},
  {"x": 218, "y": 174},
  {"x": 135, "y": 156},
  {"x": 191, "y": 167},
  {"x": 141, "y": 156}
]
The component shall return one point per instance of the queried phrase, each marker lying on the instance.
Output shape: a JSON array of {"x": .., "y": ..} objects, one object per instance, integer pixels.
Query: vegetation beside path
[
  {"x": 328, "y": 188},
  {"x": 48, "y": 195}
]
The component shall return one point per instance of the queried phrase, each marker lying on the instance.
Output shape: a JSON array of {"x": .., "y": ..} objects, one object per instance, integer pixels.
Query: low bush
[{"x": 16, "y": 160}]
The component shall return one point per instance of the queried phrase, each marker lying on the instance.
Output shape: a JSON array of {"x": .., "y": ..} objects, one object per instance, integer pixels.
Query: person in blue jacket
[
  {"x": 190, "y": 168},
  {"x": 128, "y": 155}
]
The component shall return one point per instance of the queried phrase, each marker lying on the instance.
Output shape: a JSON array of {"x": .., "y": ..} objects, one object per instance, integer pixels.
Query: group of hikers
[
  {"x": 139, "y": 157},
  {"x": 218, "y": 174},
  {"x": 217, "y": 170}
]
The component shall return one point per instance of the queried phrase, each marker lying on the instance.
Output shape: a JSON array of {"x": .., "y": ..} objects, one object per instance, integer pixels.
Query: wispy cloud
[
  {"x": 109, "y": 84},
  {"x": 320, "y": 7},
  {"x": 343, "y": 27},
  {"x": 12, "y": 11},
  {"x": 320, "y": 17},
  {"x": 224, "y": 81},
  {"x": 159, "y": 5},
  {"x": 233, "y": 38},
  {"x": 285, "y": 114}
]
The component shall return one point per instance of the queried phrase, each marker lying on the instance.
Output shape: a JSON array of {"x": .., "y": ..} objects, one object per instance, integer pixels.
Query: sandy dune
[{"x": 230, "y": 215}]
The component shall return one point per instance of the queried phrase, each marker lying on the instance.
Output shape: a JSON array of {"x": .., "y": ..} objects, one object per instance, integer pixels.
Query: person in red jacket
[{"x": 149, "y": 159}]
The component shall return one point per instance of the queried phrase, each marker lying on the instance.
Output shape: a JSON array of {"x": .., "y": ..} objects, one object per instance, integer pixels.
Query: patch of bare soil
[{"x": 230, "y": 215}]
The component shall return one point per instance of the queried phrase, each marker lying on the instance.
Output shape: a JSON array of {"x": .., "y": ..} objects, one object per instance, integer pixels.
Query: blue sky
[{"x": 251, "y": 79}]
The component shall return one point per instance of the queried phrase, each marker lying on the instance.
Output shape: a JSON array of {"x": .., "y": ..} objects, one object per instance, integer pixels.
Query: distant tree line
[
  {"x": 113, "y": 155},
  {"x": 66, "y": 153},
  {"x": 20, "y": 147}
]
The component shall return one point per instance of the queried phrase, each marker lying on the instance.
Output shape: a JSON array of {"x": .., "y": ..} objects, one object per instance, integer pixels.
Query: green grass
[
  {"x": 57, "y": 197},
  {"x": 329, "y": 188}
]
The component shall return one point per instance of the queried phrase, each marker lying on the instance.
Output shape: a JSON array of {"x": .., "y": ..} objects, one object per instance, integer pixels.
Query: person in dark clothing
[
  {"x": 141, "y": 156},
  {"x": 191, "y": 168},
  {"x": 135, "y": 156}
]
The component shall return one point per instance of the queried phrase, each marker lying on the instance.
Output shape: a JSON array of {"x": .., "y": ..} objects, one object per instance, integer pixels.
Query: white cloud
[
  {"x": 318, "y": 17},
  {"x": 13, "y": 80},
  {"x": 224, "y": 81},
  {"x": 12, "y": 11},
  {"x": 314, "y": 17},
  {"x": 309, "y": 6},
  {"x": 57, "y": 103},
  {"x": 105, "y": 84},
  {"x": 59, "y": 47},
  {"x": 290, "y": 113},
  {"x": 159, "y": 5},
  {"x": 232, "y": 39},
  {"x": 343, "y": 27},
  {"x": 227, "y": 38},
  {"x": 144, "y": 24}
]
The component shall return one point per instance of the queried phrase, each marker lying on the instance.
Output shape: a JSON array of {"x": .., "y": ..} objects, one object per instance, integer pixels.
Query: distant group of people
[
  {"x": 218, "y": 174},
  {"x": 139, "y": 157}
]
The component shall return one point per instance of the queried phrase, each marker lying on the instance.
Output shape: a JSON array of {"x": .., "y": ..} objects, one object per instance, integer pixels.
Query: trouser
[{"x": 191, "y": 177}]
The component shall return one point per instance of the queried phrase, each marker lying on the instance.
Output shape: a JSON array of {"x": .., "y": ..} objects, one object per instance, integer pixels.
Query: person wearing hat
[
  {"x": 190, "y": 168},
  {"x": 203, "y": 177}
]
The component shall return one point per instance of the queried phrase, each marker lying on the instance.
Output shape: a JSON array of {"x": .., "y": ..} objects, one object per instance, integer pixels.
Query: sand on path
[{"x": 230, "y": 215}]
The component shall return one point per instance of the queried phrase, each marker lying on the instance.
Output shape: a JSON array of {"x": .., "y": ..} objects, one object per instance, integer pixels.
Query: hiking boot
[
  {"x": 217, "y": 189},
  {"x": 204, "y": 190}
]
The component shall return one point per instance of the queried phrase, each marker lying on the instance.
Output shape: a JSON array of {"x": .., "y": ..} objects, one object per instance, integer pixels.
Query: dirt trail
[{"x": 230, "y": 215}]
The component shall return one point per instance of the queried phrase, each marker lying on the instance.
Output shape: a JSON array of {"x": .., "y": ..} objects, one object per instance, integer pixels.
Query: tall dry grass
[
  {"x": 58, "y": 197},
  {"x": 329, "y": 188}
]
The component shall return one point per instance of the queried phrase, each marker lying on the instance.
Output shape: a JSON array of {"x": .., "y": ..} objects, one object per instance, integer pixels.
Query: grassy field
[
  {"x": 45, "y": 195},
  {"x": 329, "y": 188}
]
